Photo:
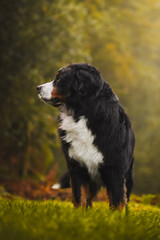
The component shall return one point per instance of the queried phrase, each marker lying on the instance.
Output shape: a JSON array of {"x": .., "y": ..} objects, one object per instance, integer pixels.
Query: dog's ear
[{"x": 85, "y": 82}]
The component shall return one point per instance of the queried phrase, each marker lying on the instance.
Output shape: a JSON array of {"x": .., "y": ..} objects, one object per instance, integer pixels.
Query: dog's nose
[{"x": 39, "y": 88}]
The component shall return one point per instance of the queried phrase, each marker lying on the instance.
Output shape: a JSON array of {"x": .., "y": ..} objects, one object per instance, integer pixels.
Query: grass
[{"x": 58, "y": 220}]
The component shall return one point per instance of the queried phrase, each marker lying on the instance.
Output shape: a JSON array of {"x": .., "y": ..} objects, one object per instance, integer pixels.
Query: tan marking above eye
[
  {"x": 54, "y": 94},
  {"x": 57, "y": 73}
]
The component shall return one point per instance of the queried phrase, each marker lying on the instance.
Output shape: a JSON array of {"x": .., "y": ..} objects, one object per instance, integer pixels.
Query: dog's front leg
[
  {"x": 75, "y": 182},
  {"x": 76, "y": 191}
]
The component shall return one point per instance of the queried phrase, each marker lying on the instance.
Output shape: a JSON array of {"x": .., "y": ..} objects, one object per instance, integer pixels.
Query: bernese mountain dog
[{"x": 96, "y": 135}]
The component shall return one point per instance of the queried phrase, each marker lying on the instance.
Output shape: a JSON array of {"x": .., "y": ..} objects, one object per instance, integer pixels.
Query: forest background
[{"x": 119, "y": 37}]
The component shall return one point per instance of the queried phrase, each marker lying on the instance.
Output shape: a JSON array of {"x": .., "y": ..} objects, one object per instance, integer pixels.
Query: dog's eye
[{"x": 57, "y": 80}]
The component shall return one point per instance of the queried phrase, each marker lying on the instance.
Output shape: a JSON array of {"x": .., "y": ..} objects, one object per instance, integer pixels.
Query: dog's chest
[{"x": 81, "y": 140}]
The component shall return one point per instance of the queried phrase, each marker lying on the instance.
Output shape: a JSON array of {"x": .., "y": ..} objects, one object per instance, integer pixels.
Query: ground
[{"x": 56, "y": 220}]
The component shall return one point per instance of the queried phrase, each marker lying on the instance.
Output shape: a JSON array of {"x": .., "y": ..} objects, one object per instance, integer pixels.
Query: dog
[{"x": 96, "y": 135}]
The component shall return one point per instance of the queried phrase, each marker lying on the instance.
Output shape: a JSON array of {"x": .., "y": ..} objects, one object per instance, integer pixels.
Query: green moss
[{"x": 58, "y": 220}]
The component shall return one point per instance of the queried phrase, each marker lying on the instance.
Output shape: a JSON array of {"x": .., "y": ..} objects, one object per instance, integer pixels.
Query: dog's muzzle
[
  {"x": 48, "y": 94},
  {"x": 39, "y": 89}
]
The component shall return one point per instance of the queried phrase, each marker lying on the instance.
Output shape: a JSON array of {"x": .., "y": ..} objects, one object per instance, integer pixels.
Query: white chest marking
[{"x": 81, "y": 140}]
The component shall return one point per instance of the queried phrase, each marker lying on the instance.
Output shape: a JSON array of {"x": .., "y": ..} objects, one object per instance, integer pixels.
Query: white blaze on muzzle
[{"x": 45, "y": 91}]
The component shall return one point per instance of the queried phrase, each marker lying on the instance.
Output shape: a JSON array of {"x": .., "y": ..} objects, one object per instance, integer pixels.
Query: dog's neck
[{"x": 64, "y": 109}]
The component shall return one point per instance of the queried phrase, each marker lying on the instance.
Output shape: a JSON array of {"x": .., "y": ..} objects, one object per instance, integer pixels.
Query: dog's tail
[{"x": 64, "y": 182}]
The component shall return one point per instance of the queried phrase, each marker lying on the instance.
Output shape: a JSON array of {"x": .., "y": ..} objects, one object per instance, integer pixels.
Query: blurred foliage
[{"x": 120, "y": 37}]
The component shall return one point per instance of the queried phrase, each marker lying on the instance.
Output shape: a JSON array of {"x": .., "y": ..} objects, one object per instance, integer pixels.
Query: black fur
[{"x": 87, "y": 94}]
